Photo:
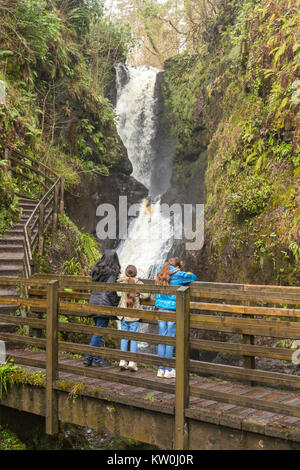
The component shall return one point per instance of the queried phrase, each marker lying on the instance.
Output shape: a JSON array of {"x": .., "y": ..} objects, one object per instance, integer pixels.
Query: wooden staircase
[
  {"x": 12, "y": 243},
  {"x": 36, "y": 217},
  {"x": 12, "y": 258}
]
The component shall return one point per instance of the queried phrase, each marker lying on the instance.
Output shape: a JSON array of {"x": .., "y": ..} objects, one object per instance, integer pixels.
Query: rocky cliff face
[
  {"x": 236, "y": 131},
  {"x": 95, "y": 189},
  {"x": 92, "y": 191}
]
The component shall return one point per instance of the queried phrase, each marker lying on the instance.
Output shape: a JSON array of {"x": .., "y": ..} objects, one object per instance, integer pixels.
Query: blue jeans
[
  {"x": 129, "y": 326},
  {"x": 166, "y": 328},
  {"x": 97, "y": 340}
]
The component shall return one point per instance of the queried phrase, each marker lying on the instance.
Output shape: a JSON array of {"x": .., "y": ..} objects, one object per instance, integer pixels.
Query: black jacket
[{"x": 104, "y": 297}]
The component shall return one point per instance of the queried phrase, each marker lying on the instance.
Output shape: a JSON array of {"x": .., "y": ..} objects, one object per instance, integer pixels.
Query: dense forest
[{"x": 56, "y": 62}]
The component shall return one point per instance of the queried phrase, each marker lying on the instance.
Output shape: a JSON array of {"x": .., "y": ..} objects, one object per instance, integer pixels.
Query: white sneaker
[
  {"x": 132, "y": 366},
  {"x": 123, "y": 365},
  {"x": 160, "y": 373},
  {"x": 170, "y": 374}
]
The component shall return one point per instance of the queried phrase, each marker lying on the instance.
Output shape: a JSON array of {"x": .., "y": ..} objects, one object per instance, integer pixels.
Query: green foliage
[
  {"x": 73, "y": 252},
  {"x": 9, "y": 209},
  {"x": 251, "y": 196},
  {"x": 9, "y": 441},
  {"x": 11, "y": 374},
  {"x": 235, "y": 98},
  {"x": 57, "y": 61},
  {"x": 71, "y": 267},
  {"x": 89, "y": 247},
  {"x": 8, "y": 376}
]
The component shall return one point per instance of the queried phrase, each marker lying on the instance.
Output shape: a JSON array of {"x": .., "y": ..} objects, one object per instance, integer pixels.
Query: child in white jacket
[{"x": 130, "y": 300}]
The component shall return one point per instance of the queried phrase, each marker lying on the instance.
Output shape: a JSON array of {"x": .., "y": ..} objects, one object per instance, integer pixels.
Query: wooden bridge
[{"x": 208, "y": 406}]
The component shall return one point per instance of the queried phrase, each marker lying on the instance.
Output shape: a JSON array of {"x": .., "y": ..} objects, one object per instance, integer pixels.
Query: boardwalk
[
  {"x": 207, "y": 406},
  {"x": 265, "y": 424}
]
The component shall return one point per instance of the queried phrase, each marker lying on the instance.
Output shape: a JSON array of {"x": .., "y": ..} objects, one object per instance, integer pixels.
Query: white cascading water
[
  {"x": 150, "y": 235},
  {"x": 136, "y": 125},
  {"x": 149, "y": 240}
]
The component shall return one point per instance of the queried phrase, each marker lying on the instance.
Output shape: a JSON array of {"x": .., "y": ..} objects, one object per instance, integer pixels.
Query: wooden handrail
[
  {"x": 42, "y": 226},
  {"x": 260, "y": 326},
  {"x": 41, "y": 216},
  {"x": 36, "y": 162},
  {"x": 54, "y": 302}
]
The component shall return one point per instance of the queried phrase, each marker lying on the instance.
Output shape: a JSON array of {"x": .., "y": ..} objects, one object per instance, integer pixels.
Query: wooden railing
[
  {"x": 220, "y": 308},
  {"x": 50, "y": 192}
]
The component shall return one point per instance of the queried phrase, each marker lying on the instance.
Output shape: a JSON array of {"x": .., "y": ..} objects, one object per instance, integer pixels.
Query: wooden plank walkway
[
  {"x": 195, "y": 411},
  {"x": 200, "y": 409}
]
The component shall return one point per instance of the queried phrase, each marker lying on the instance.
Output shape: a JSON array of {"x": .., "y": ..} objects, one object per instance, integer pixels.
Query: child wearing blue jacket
[{"x": 169, "y": 274}]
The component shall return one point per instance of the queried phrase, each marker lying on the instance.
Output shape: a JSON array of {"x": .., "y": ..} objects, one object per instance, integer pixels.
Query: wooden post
[
  {"x": 41, "y": 228},
  {"x": 248, "y": 361},
  {"x": 52, "y": 358},
  {"x": 55, "y": 210},
  {"x": 61, "y": 201},
  {"x": 182, "y": 366},
  {"x": 29, "y": 233}
]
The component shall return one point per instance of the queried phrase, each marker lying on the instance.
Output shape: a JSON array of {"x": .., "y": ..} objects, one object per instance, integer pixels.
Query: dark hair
[
  {"x": 106, "y": 266},
  {"x": 130, "y": 272},
  {"x": 163, "y": 277}
]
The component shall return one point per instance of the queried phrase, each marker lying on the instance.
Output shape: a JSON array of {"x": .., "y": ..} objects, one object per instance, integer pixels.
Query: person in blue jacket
[{"x": 169, "y": 274}]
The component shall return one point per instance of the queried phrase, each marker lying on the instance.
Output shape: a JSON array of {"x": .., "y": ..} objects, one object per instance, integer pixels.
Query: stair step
[
  {"x": 17, "y": 241},
  {"x": 27, "y": 199},
  {"x": 7, "y": 248},
  {"x": 10, "y": 271},
  {"x": 26, "y": 211},
  {"x": 7, "y": 262},
  {"x": 8, "y": 291},
  {"x": 27, "y": 204},
  {"x": 10, "y": 257},
  {"x": 27, "y": 208},
  {"x": 7, "y": 309},
  {"x": 8, "y": 328},
  {"x": 15, "y": 233}
]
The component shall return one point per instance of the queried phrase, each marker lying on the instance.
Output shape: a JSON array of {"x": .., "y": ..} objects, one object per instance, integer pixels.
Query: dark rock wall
[
  {"x": 164, "y": 145},
  {"x": 82, "y": 204}
]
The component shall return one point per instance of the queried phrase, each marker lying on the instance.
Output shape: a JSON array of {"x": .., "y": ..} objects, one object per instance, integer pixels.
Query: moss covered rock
[{"x": 235, "y": 101}]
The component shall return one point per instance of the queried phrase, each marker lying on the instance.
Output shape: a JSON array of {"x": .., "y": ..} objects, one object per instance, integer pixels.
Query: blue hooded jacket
[{"x": 179, "y": 278}]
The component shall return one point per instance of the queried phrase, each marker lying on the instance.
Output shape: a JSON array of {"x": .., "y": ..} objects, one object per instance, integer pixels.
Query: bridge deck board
[{"x": 202, "y": 409}]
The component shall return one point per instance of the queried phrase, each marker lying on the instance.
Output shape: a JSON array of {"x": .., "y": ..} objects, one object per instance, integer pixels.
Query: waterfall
[
  {"x": 136, "y": 126},
  {"x": 150, "y": 234},
  {"x": 149, "y": 240}
]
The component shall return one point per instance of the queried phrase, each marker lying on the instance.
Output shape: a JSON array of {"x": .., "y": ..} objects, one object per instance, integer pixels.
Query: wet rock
[{"x": 82, "y": 204}]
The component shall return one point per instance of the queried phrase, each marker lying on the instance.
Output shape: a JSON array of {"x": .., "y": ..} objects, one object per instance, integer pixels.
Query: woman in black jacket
[{"x": 107, "y": 269}]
